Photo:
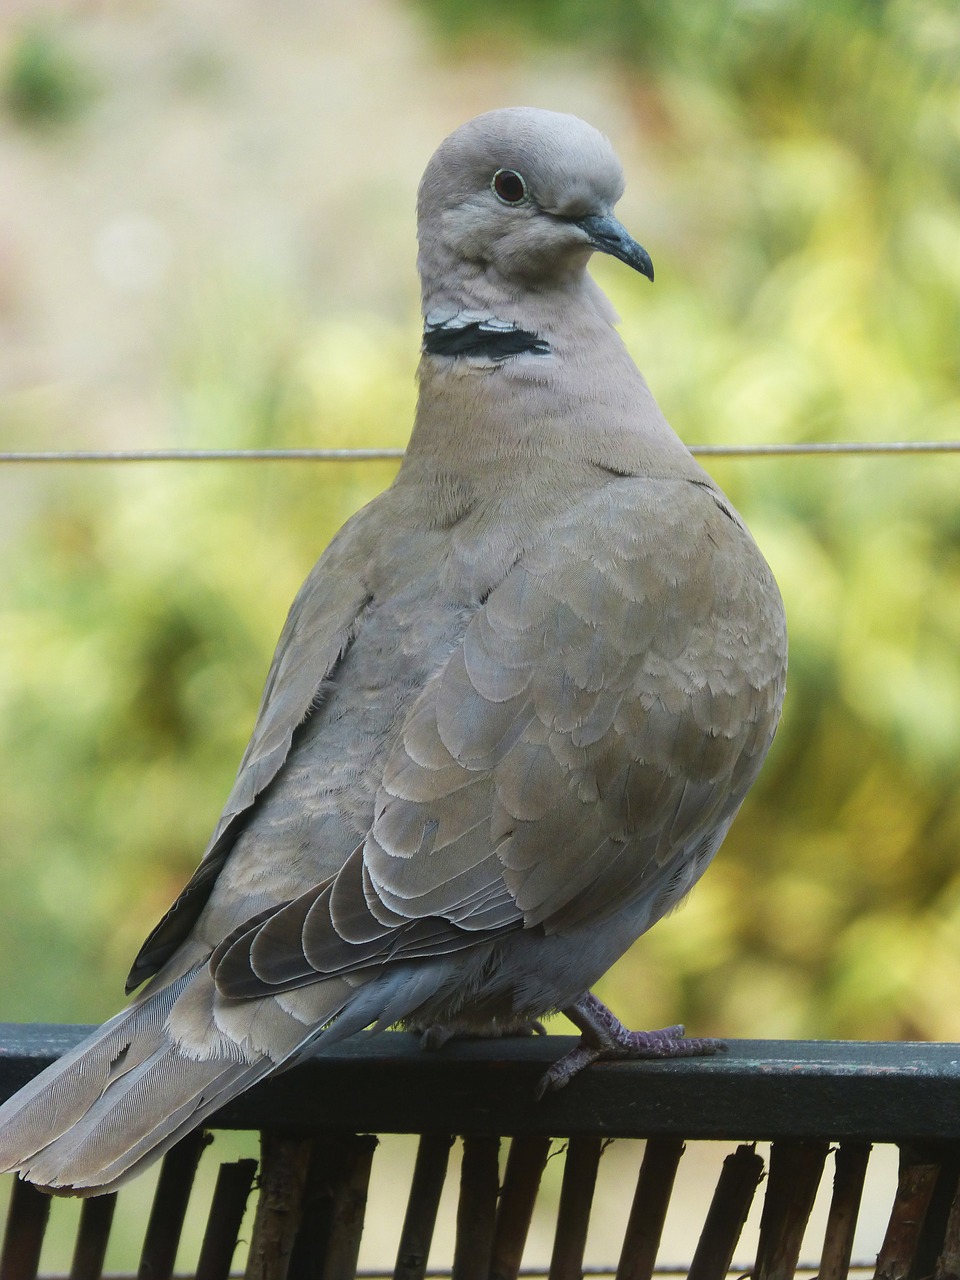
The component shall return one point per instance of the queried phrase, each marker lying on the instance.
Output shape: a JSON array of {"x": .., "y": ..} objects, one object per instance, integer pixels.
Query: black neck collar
[{"x": 489, "y": 339}]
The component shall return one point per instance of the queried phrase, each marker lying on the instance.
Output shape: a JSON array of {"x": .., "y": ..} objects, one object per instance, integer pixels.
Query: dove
[{"x": 513, "y": 711}]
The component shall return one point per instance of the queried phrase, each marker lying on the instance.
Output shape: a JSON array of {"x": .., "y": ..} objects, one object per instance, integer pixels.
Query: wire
[
  {"x": 825, "y": 449},
  {"x": 828, "y": 448},
  {"x": 204, "y": 455}
]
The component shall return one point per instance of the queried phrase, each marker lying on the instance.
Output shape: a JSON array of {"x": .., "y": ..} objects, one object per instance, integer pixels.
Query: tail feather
[
  {"x": 60, "y": 1095},
  {"x": 125, "y": 1095},
  {"x": 127, "y": 1125},
  {"x": 209, "y": 1092}
]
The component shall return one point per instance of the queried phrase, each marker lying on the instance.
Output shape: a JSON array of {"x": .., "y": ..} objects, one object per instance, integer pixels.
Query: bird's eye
[{"x": 509, "y": 186}]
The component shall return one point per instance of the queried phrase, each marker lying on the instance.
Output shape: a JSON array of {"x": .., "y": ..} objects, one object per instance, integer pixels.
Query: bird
[{"x": 512, "y": 714}]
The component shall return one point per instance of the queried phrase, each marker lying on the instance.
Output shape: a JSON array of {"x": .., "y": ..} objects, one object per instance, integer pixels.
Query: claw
[
  {"x": 603, "y": 1035},
  {"x": 436, "y": 1036},
  {"x": 565, "y": 1068}
]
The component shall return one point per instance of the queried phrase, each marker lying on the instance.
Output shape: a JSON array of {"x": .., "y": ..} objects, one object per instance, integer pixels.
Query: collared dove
[{"x": 512, "y": 714}]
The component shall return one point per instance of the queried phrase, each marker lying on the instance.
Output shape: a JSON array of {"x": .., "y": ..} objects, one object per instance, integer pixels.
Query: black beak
[{"x": 609, "y": 236}]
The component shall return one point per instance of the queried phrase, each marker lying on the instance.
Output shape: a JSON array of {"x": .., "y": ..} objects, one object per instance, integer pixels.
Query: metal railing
[{"x": 808, "y": 1099}]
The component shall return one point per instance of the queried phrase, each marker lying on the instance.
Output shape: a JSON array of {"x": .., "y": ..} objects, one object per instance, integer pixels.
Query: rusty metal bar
[
  {"x": 915, "y": 1187},
  {"x": 93, "y": 1236},
  {"x": 850, "y": 1169},
  {"x": 796, "y": 1167},
  {"x": 641, "y": 1240},
  {"x": 230, "y": 1195},
  {"x": 521, "y": 1182},
  {"x": 429, "y": 1174},
  {"x": 738, "y": 1182},
  {"x": 284, "y": 1161},
  {"x": 23, "y": 1238},
  {"x": 169, "y": 1208},
  {"x": 948, "y": 1263},
  {"x": 477, "y": 1207},
  {"x": 573, "y": 1214},
  {"x": 325, "y": 1171},
  {"x": 349, "y": 1209},
  {"x": 933, "y": 1235}
]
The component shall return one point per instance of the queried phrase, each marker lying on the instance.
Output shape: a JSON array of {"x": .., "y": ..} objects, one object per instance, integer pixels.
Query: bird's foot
[
  {"x": 436, "y": 1036},
  {"x": 603, "y": 1036}
]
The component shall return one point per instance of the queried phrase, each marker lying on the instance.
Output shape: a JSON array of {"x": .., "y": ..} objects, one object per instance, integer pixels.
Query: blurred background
[{"x": 207, "y": 240}]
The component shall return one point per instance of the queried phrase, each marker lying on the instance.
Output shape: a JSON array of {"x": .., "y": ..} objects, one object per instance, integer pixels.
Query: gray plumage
[{"x": 514, "y": 709}]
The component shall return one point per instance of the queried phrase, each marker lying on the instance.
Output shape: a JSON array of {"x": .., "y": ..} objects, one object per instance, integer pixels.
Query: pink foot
[
  {"x": 603, "y": 1035},
  {"x": 436, "y": 1036}
]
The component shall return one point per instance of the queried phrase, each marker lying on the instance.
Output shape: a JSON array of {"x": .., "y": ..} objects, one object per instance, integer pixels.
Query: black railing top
[{"x": 875, "y": 1091}]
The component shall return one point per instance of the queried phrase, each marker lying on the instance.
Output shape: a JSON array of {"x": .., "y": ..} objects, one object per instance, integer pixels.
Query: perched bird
[{"x": 512, "y": 714}]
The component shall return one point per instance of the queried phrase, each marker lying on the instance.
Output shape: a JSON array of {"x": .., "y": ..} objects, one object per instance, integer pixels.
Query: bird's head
[{"x": 526, "y": 195}]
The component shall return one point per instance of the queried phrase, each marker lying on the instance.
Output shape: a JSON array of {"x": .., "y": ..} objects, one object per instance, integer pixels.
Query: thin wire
[
  {"x": 203, "y": 455},
  {"x": 832, "y": 448},
  {"x": 828, "y": 448}
]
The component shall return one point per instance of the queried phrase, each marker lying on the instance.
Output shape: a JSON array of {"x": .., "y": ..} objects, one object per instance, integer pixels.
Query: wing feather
[
  {"x": 585, "y": 747},
  {"x": 322, "y": 623}
]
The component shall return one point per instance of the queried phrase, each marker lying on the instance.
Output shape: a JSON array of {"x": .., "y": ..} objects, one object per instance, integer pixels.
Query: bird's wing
[
  {"x": 590, "y": 739},
  {"x": 320, "y": 627}
]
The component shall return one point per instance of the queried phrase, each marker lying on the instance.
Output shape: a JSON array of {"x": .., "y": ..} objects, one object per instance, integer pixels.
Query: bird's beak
[{"x": 610, "y": 236}]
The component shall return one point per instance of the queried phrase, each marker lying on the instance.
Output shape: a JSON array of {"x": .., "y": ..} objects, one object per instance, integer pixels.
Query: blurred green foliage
[
  {"x": 140, "y": 606},
  {"x": 43, "y": 81},
  {"x": 802, "y": 203}
]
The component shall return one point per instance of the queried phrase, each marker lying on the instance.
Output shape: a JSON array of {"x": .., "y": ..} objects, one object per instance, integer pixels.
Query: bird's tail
[{"x": 127, "y": 1093}]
